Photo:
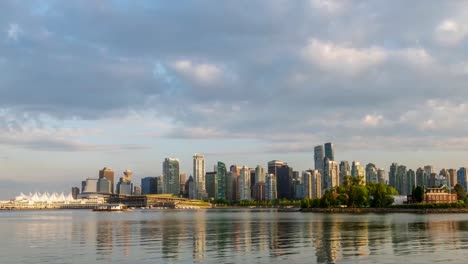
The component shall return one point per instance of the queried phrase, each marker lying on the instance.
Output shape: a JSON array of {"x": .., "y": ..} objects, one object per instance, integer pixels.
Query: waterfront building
[
  {"x": 270, "y": 187},
  {"x": 160, "y": 184},
  {"x": 211, "y": 187},
  {"x": 403, "y": 182},
  {"x": 108, "y": 173},
  {"x": 231, "y": 185},
  {"x": 222, "y": 180},
  {"x": 75, "y": 192},
  {"x": 171, "y": 176},
  {"x": 149, "y": 185},
  {"x": 331, "y": 176},
  {"x": 421, "y": 178},
  {"x": 199, "y": 175},
  {"x": 345, "y": 170},
  {"x": 432, "y": 180},
  {"x": 411, "y": 181},
  {"x": 393, "y": 179},
  {"x": 252, "y": 181},
  {"x": 357, "y": 171},
  {"x": 284, "y": 182},
  {"x": 137, "y": 190},
  {"x": 244, "y": 184},
  {"x": 329, "y": 151},
  {"x": 439, "y": 195},
  {"x": 298, "y": 190},
  {"x": 90, "y": 186},
  {"x": 319, "y": 156},
  {"x": 259, "y": 174},
  {"x": 124, "y": 186},
  {"x": 452, "y": 179},
  {"x": 371, "y": 173},
  {"x": 182, "y": 177},
  {"x": 307, "y": 184},
  {"x": 382, "y": 176},
  {"x": 189, "y": 187},
  {"x": 259, "y": 191},
  {"x": 316, "y": 184},
  {"x": 429, "y": 170},
  {"x": 274, "y": 165},
  {"x": 104, "y": 186},
  {"x": 462, "y": 178}
]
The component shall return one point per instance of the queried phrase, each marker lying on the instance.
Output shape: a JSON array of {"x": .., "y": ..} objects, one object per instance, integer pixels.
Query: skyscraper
[
  {"x": 244, "y": 184},
  {"x": 222, "y": 178},
  {"x": 199, "y": 175},
  {"x": 462, "y": 178},
  {"x": 393, "y": 176},
  {"x": 371, "y": 173},
  {"x": 274, "y": 165},
  {"x": 307, "y": 184},
  {"x": 319, "y": 155},
  {"x": 316, "y": 184},
  {"x": 149, "y": 185},
  {"x": 284, "y": 182},
  {"x": 411, "y": 181},
  {"x": 171, "y": 176},
  {"x": 211, "y": 183},
  {"x": 381, "y": 176},
  {"x": 75, "y": 192},
  {"x": 452, "y": 177},
  {"x": 270, "y": 187},
  {"x": 329, "y": 151},
  {"x": 403, "y": 181},
  {"x": 421, "y": 178},
  {"x": 345, "y": 170},
  {"x": 104, "y": 185},
  {"x": 108, "y": 173},
  {"x": 259, "y": 174},
  {"x": 357, "y": 171},
  {"x": 331, "y": 176}
]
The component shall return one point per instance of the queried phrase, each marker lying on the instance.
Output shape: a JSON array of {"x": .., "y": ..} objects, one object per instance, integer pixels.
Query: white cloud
[
  {"x": 202, "y": 73},
  {"x": 14, "y": 31},
  {"x": 371, "y": 120},
  {"x": 347, "y": 60},
  {"x": 329, "y": 6},
  {"x": 449, "y": 33}
]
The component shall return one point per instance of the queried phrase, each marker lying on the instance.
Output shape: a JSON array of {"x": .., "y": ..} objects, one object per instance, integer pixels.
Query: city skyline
[{"x": 87, "y": 85}]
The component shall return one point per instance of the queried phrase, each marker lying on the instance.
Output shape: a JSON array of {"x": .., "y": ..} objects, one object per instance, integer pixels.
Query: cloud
[
  {"x": 340, "y": 58},
  {"x": 329, "y": 6},
  {"x": 449, "y": 33},
  {"x": 372, "y": 120},
  {"x": 14, "y": 31},
  {"x": 201, "y": 73}
]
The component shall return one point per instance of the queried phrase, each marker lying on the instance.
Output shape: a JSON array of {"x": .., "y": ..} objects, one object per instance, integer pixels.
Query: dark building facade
[
  {"x": 329, "y": 151},
  {"x": 284, "y": 182},
  {"x": 149, "y": 185}
]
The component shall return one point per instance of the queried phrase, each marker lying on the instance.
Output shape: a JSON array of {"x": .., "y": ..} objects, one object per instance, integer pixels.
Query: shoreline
[{"x": 385, "y": 210}]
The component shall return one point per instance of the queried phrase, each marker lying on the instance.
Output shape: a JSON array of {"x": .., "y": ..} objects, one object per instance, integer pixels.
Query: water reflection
[{"x": 238, "y": 236}]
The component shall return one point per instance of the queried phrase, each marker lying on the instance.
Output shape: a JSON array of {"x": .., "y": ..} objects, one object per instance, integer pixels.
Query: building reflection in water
[
  {"x": 199, "y": 236},
  {"x": 104, "y": 240}
]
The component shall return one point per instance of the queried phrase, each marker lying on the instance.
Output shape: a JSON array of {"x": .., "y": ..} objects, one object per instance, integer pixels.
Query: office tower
[
  {"x": 345, "y": 171},
  {"x": 331, "y": 176},
  {"x": 307, "y": 184},
  {"x": 83, "y": 186},
  {"x": 401, "y": 175},
  {"x": 108, "y": 173},
  {"x": 316, "y": 184},
  {"x": 452, "y": 177},
  {"x": 433, "y": 179},
  {"x": 137, "y": 190},
  {"x": 259, "y": 174},
  {"x": 411, "y": 181},
  {"x": 182, "y": 177},
  {"x": 149, "y": 185},
  {"x": 160, "y": 184},
  {"x": 274, "y": 165},
  {"x": 319, "y": 156},
  {"x": 421, "y": 178},
  {"x": 259, "y": 191},
  {"x": 270, "y": 187},
  {"x": 222, "y": 179},
  {"x": 357, "y": 171},
  {"x": 211, "y": 186},
  {"x": 462, "y": 178},
  {"x": 429, "y": 169},
  {"x": 75, "y": 192},
  {"x": 91, "y": 186},
  {"x": 244, "y": 184},
  {"x": 329, "y": 151},
  {"x": 284, "y": 182},
  {"x": 393, "y": 176},
  {"x": 189, "y": 188},
  {"x": 199, "y": 175},
  {"x": 382, "y": 176},
  {"x": 252, "y": 181},
  {"x": 231, "y": 185},
  {"x": 171, "y": 176},
  {"x": 236, "y": 170},
  {"x": 104, "y": 185},
  {"x": 125, "y": 186},
  {"x": 298, "y": 190}
]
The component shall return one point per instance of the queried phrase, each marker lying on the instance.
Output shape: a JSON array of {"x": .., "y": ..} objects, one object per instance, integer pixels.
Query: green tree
[
  {"x": 461, "y": 194},
  {"x": 418, "y": 194},
  {"x": 327, "y": 200},
  {"x": 358, "y": 196}
]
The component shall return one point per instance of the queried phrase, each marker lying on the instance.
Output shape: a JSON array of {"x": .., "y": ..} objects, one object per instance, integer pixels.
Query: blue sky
[{"x": 124, "y": 84}]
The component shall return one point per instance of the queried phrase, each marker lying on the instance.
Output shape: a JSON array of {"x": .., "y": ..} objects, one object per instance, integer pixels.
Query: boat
[{"x": 111, "y": 208}]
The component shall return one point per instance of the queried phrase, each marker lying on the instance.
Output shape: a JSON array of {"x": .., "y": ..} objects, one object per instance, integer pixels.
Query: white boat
[{"x": 110, "y": 208}]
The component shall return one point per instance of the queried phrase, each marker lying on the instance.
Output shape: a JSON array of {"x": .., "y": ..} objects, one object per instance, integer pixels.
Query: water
[{"x": 230, "y": 236}]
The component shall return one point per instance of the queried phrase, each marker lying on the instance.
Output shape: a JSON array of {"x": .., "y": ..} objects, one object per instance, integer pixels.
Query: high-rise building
[
  {"x": 108, "y": 173},
  {"x": 160, "y": 184},
  {"x": 401, "y": 174},
  {"x": 236, "y": 170},
  {"x": 211, "y": 182},
  {"x": 411, "y": 181},
  {"x": 171, "y": 176},
  {"x": 345, "y": 171},
  {"x": 319, "y": 156},
  {"x": 125, "y": 185},
  {"x": 429, "y": 169},
  {"x": 284, "y": 182},
  {"x": 252, "y": 181},
  {"x": 462, "y": 178},
  {"x": 149, "y": 185},
  {"x": 452, "y": 180},
  {"x": 222, "y": 179},
  {"x": 274, "y": 165},
  {"x": 331, "y": 176},
  {"x": 307, "y": 184},
  {"x": 199, "y": 175},
  {"x": 357, "y": 171},
  {"x": 231, "y": 185},
  {"x": 329, "y": 151},
  {"x": 381, "y": 176},
  {"x": 371, "y": 173},
  {"x": 393, "y": 179},
  {"x": 136, "y": 190},
  {"x": 259, "y": 174},
  {"x": 259, "y": 191},
  {"x": 270, "y": 187},
  {"x": 244, "y": 184},
  {"x": 190, "y": 187},
  {"x": 182, "y": 177},
  {"x": 104, "y": 185},
  {"x": 91, "y": 186},
  {"x": 421, "y": 178},
  {"x": 75, "y": 192},
  {"x": 316, "y": 184}
]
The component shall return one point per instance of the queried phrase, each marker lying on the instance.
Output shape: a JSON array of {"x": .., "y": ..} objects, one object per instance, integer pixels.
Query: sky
[{"x": 124, "y": 84}]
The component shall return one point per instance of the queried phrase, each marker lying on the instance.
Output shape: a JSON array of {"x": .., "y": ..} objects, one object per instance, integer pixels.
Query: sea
[{"x": 230, "y": 236}]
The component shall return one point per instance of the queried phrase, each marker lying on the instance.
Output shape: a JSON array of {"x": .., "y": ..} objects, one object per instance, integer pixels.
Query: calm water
[{"x": 230, "y": 236}]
